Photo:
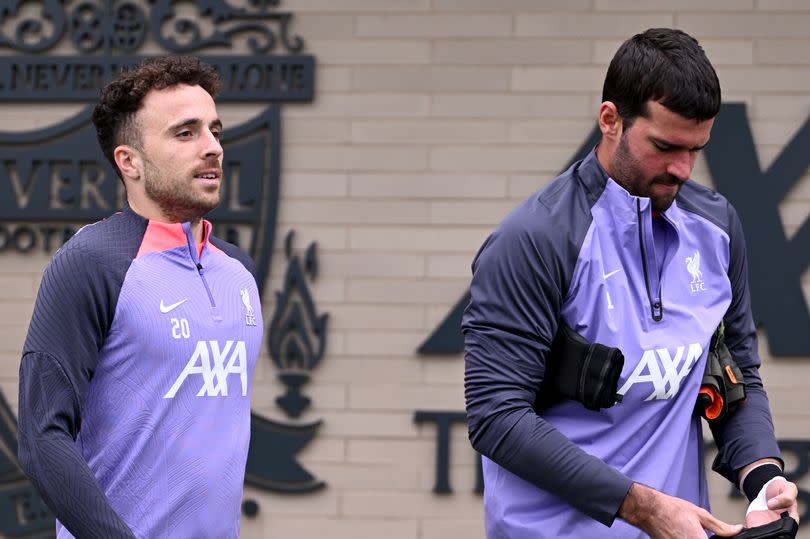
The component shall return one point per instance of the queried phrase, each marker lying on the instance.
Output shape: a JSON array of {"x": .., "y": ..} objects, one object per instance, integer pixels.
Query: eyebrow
[
  {"x": 192, "y": 122},
  {"x": 673, "y": 146}
]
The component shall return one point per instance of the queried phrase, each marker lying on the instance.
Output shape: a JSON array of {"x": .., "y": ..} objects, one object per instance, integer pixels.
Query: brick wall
[{"x": 432, "y": 119}]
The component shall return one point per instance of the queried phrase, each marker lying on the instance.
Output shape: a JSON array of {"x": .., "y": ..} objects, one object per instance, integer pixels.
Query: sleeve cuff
[{"x": 755, "y": 479}]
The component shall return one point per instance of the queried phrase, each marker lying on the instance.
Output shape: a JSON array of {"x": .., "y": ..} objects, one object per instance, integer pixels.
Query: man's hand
[
  {"x": 667, "y": 517},
  {"x": 779, "y": 496}
]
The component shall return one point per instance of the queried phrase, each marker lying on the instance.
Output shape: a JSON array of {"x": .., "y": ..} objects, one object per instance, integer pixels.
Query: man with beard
[
  {"x": 624, "y": 251},
  {"x": 135, "y": 376}
]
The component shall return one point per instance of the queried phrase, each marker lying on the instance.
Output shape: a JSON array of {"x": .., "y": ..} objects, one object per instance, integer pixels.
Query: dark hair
[
  {"x": 121, "y": 98},
  {"x": 664, "y": 65}
]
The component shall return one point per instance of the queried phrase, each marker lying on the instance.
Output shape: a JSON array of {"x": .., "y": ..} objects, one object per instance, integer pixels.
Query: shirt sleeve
[
  {"x": 509, "y": 324},
  {"x": 72, "y": 315},
  {"x": 748, "y": 434}
]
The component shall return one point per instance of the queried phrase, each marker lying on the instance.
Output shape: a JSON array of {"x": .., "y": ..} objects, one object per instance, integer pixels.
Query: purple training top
[
  {"x": 142, "y": 349},
  {"x": 582, "y": 251}
]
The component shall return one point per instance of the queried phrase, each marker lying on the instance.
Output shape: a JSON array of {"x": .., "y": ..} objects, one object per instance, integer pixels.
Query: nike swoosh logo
[
  {"x": 167, "y": 308},
  {"x": 606, "y": 275}
]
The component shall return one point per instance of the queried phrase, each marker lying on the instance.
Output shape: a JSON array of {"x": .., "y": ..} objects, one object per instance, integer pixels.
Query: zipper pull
[{"x": 657, "y": 311}]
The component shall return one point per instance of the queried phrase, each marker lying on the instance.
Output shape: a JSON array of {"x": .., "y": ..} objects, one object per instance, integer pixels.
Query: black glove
[{"x": 784, "y": 528}]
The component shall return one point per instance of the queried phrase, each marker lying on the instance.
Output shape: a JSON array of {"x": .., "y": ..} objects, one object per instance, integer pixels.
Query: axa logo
[
  {"x": 208, "y": 366},
  {"x": 693, "y": 265},
  {"x": 663, "y": 370}
]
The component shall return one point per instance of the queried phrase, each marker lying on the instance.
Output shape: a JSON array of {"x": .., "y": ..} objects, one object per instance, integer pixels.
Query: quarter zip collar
[
  {"x": 197, "y": 257},
  {"x": 632, "y": 220},
  {"x": 652, "y": 278},
  {"x": 160, "y": 236},
  {"x": 195, "y": 250},
  {"x": 596, "y": 180},
  {"x": 591, "y": 174}
]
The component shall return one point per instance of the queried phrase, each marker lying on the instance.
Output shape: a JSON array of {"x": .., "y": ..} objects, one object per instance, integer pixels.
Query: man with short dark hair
[
  {"x": 135, "y": 375},
  {"x": 624, "y": 251}
]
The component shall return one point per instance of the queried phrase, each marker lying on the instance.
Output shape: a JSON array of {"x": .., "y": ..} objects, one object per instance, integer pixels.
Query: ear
[
  {"x": 610, "y": 122},
  {"x": 129, "y": 162}
]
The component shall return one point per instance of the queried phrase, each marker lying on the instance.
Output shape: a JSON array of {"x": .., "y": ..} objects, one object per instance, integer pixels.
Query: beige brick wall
[{"x": 432, "y": 119}]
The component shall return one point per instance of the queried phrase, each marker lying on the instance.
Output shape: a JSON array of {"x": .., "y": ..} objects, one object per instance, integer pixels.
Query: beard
[
  {"x": 178, "y": 200},
  {"x": 628, "y": 173}
]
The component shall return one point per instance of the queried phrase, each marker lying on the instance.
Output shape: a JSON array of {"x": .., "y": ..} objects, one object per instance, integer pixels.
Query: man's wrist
[
  {"x": 760, "y": 503},
  {"x": 757, "y": 477},
  {"x": 637, "y": 505}
]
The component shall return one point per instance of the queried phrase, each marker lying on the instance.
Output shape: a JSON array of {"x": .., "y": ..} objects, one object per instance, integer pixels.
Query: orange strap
[{"x": 731, "y": 375}]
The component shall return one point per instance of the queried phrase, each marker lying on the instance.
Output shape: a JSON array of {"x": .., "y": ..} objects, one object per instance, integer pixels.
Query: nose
[
  {"x": 211, "y": 145},
  {"x": 681, "y": 165}
]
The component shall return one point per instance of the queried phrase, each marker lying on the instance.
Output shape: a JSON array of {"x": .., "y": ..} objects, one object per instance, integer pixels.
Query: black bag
[
  {"x": 579, "y": 370},
  {"x": 723, "y": 387}
]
